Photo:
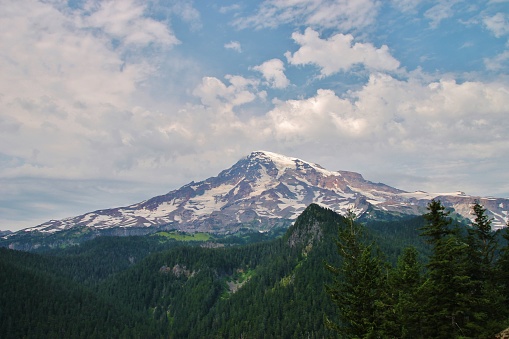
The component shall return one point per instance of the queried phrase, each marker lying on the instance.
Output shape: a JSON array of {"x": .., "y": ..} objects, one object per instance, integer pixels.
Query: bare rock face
[
  {"x": 503, "y": 335},
  {"x": 260, "y": 192},
  {"x": 177, "y": 270}
]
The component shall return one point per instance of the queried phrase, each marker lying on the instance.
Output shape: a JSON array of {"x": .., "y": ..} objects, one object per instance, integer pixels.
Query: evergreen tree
[
  {"x": 437, "y": 223},
  {"x": 484, "y": 292},
  {"x": 485, "y": 239},
  {"x": 405, "y": 281},
  {"x": 502, "y": 273},
  {"x": 446, "y": 290},
  {"x": 359, "y": 288}
]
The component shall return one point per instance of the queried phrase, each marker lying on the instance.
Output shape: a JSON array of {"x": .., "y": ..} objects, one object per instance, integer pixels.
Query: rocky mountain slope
[{"x": 261, "y": 191}]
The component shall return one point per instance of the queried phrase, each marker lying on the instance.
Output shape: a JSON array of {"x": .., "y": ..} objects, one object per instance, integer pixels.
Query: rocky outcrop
[{"x": 177, "y": 270}]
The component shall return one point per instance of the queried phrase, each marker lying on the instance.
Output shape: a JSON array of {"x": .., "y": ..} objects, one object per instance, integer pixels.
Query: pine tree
[
  {"x": 437, "y": 223},
  {"x": 359, "y": 289},
  {"x": 404, "y": 283},
  {"x": 446, "y": 289},
  {"x": 486, "y": 237},
  {"x": 502, "y": 274},
  {"x": 484, "y": 292}
]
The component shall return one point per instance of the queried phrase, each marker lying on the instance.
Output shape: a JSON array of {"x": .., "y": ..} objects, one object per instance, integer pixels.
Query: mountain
[
  {"x": 262, "y": 191},
  {"x": 4, "y": 233}
]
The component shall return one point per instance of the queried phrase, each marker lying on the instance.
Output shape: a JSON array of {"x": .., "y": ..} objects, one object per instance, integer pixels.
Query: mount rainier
[{"x": 262, "y": 191}]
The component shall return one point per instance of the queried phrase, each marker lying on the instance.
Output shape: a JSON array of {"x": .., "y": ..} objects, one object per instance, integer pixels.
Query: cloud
[
  {"x": 441, "y": 11},
  {"x": 273, "y": 72},
  {"x": 226, "y": 9},
  {"x": 184, "y": 9},
  {"x": 339, "y": 53},
  {"x": 124, "y": 20},
  {"x": 344, "y": 15},
  {"x": 68, "y": 88},
  {"x": 498, "y": 62},
  {"x": 323, "y": 116},
  {"x": 214, "y": 93},
  {"x": 432, "y": 129},
  {"x": 498, "y": 24},
  {"x": 71, "y": 97},
  {"x": 406, "y": 5},
  {"x": 235, "y": 45},
  {"x": 435, "y": 125}
]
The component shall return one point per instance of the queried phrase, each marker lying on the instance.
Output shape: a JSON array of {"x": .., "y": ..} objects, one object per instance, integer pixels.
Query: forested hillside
[
  {"x": 36, "y": 304},
  {"x": 179, "y": 286}
]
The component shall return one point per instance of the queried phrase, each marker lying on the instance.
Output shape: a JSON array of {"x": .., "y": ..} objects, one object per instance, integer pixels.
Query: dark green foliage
[
  {"x": 459, "y": 293},
  {"x": 446, "y": 289},
  {"x": 485, "y": 294},
  {"x": 282, "y": 294},
  {"x": 189, "y": 291},
  {"x": 437, "y": 223},
  {"x": 359, "y": 289},
  {"x": 462, "y": 297},
  {"x": 40, "y": 242},
  {"x": 261, "y": 285},
  {"x": 502, "y": 271},
  {"x": 403, "y": 320},
  {"x": 34, "y": 304}
]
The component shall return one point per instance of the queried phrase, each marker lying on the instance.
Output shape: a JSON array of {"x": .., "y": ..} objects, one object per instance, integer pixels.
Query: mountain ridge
[{"x": 265, "y": 190}]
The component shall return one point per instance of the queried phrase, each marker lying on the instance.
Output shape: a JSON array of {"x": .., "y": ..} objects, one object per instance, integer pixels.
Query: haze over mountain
[{"x": 261, "y": 191}]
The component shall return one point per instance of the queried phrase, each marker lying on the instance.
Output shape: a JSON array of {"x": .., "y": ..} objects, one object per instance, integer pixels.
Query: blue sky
[{"x": 107, "y": 103}]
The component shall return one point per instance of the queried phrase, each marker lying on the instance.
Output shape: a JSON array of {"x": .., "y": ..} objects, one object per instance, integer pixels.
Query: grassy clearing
[
  {"x": 181, "y": 236},
  {"x": 236, "y": 281}
]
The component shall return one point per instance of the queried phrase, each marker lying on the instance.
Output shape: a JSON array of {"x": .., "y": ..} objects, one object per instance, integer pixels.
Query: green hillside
[{"x": 171, "y": 286}]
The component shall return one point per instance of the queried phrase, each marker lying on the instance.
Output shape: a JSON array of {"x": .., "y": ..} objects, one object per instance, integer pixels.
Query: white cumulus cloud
[
  {"x": 274, "y": 73},
  {"x": 339, "y": 53},
  {"x": 214, "y": 93}
]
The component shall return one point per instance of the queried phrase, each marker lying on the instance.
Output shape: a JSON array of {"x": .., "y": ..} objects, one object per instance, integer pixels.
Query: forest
[
  {"x": 458, "y": 291},
  {"x": 326, "y": 276}
]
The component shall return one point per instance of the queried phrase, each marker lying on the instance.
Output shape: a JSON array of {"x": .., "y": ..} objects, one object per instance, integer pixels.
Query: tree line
[{"x": 460, "y": 291}]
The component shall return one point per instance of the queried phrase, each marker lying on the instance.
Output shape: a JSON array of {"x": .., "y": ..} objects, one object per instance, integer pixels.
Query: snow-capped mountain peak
[
  {"x": 265, "y": 189},
  {"x": 283, "y": 163}
]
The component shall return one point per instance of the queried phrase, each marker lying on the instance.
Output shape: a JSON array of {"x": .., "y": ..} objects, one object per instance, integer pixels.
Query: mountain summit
[{"x": 264, "y": 190}]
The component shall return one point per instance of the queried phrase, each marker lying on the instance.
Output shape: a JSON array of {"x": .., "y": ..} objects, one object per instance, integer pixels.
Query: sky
[{"x": 108, "y": 103}]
